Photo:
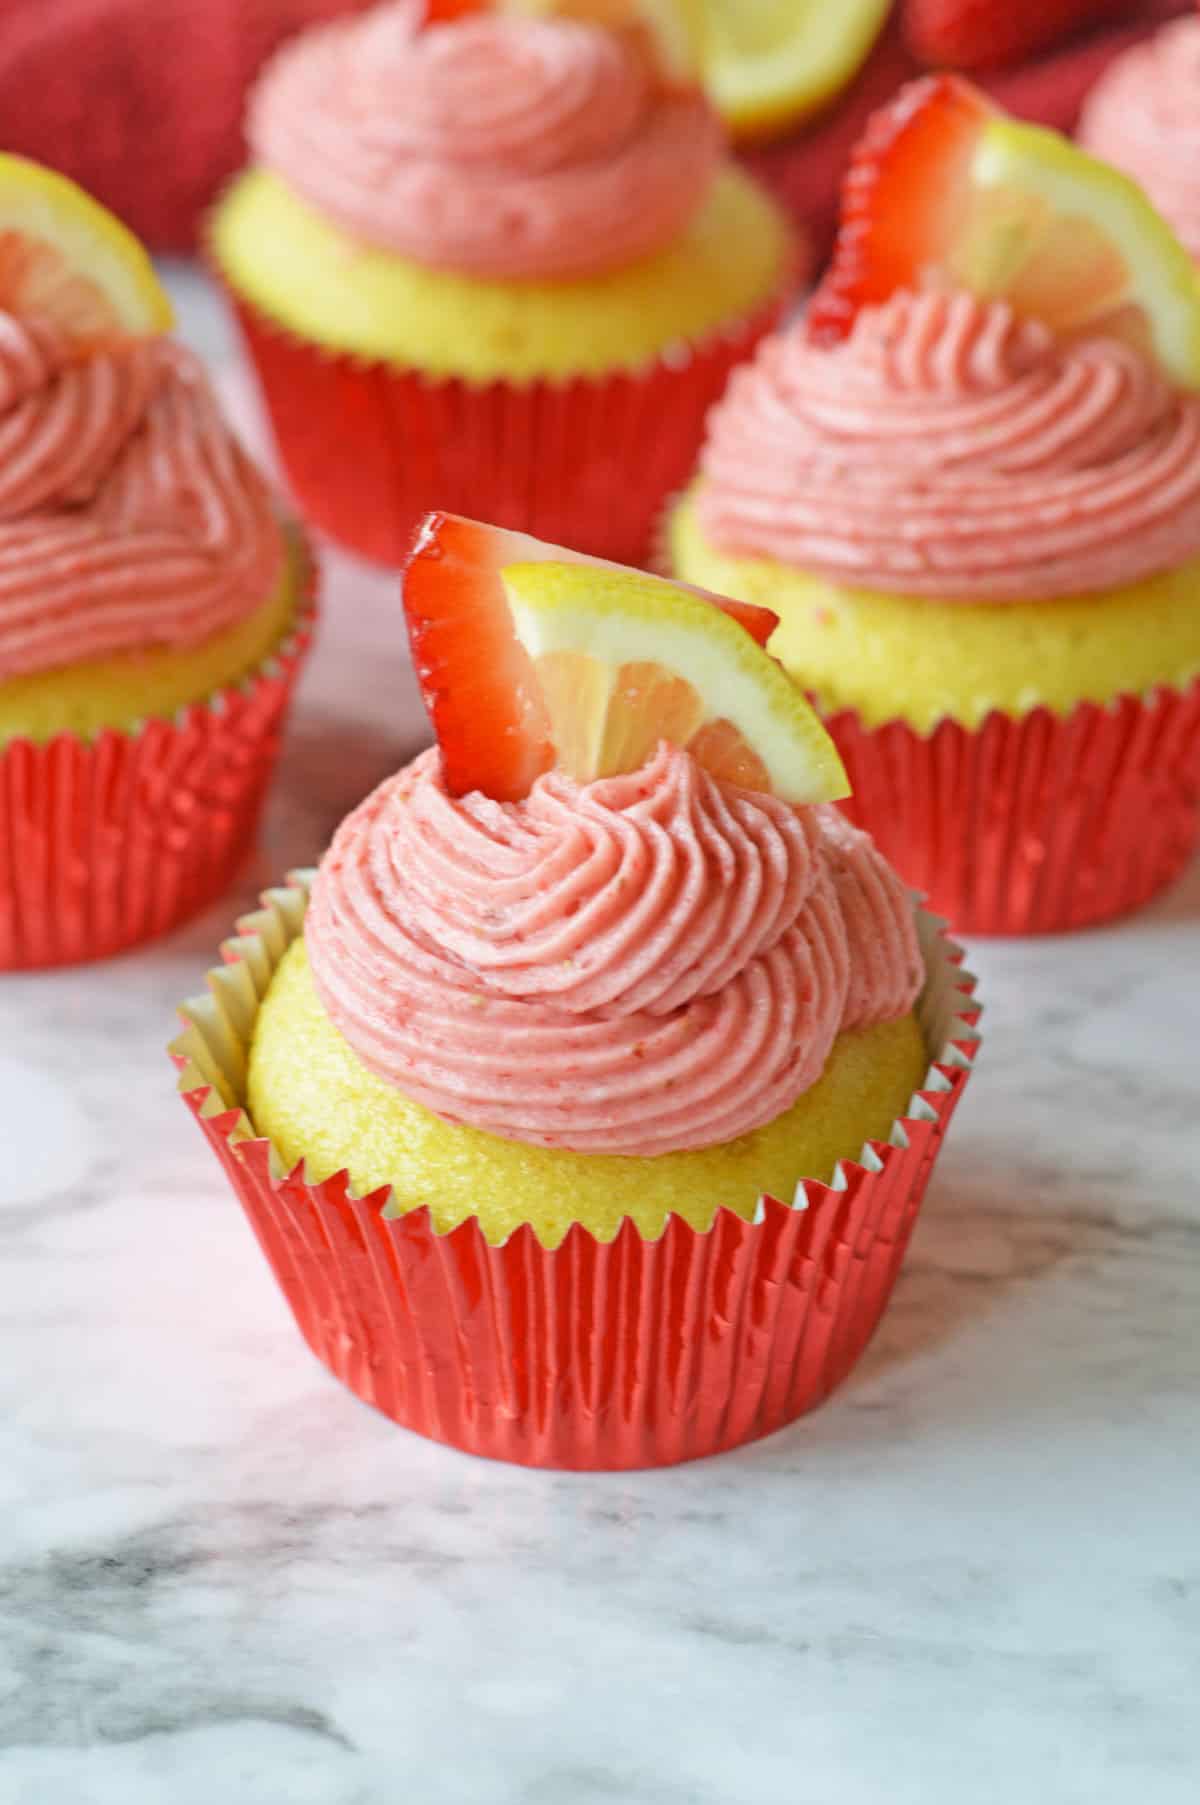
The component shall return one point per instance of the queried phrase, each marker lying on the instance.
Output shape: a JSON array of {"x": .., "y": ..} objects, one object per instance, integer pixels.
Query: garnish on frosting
[
  {"x": 949, "y": 449},
  {"x": 129, "y": 517},
  {"x": 946, "y": 192},
  {"x": 68, "y": 261},
  {"x": 637, "y": 961},
  {"x": 1143, "y": 115},
  {"x": 529, "y": 656},
  {"x": 498, "y": 147}
]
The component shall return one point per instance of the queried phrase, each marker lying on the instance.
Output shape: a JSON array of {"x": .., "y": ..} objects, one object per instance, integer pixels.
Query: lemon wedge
[
  {"x": 1068, "y": 240},
  {"x": 768, "y": 64},
  {"x": 623, "y": 661},
  {"x": 65, "y": 259}
]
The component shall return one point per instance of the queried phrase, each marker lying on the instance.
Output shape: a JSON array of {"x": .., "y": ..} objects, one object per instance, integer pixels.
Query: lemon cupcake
[
  {"x": 969, "y": 483},
  {"x": 497, "y": 264},
  {"x": 152, "y": 605},
  {"x": 595, "y": 1036}
]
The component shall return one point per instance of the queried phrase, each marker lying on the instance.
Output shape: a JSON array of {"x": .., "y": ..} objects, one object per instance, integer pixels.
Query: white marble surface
[{"x": 975, "y": 1576}]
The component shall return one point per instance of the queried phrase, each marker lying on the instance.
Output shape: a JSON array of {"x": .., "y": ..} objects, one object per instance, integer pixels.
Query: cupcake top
[
  {"x": 129, "y": 517},
  {"x": 1144, "y": 116},
  {"x": 947, "y": 448},
  {"x": 495, "y": 147},
  {"x": 609, "y": 911},
  {"x": 638, "y": 964}
]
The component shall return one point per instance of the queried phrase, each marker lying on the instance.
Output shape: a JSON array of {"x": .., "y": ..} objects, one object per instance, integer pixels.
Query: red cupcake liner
[
  {"x": 369, "y": 447},
  {"x": 108, "y": 842},
  {"x": 1033, "y": 824},
  {"x": 631, "y": 1353}
]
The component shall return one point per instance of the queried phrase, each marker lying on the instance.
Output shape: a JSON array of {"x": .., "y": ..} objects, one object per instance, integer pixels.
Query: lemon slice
[
  {"x": 623, "y": 661},
  {"x": 65, "y": 259},
  {"x": 770, "y": 63},
  {"x": 1068, "y": 240}
]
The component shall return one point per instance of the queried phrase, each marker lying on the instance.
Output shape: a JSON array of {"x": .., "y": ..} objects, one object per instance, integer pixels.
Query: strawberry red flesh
[
  {"x": 900, "y": 199},
  {"x": 759, "y": 623},
  {"x": 477, "y": 680}
]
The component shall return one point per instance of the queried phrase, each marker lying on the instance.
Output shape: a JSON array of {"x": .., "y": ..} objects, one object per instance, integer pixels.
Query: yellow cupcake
[
  {"x": 312, "y": 1096},
  {"x": 307, "y": 274},
  {"x": 896, "y": 657},
  {"x": 508, "y": 308},
  {"x": 129, "y": 687}
]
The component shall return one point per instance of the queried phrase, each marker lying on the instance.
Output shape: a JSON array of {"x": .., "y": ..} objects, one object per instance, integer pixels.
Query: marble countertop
[{"x": 974, "y": 1576}]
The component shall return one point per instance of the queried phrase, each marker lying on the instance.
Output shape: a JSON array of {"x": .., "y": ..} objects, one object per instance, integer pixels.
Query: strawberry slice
[
  {"x": 476, "y": 678},
  {"x": 901, "y": 199}
]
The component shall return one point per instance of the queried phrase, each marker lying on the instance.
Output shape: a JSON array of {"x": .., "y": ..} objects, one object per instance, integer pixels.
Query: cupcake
[
  {"x": 496, "y": 264},
  {"x": 969, "y": 484},
  {"x": 1144, "y": 117},
  {"x": 153, "y": 607},
  {"x": 85, "y": 85},
  {"x": 584, "y": 1098}
]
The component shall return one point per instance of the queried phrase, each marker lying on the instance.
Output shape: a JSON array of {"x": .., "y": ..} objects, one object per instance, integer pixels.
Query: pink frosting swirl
[
  {"x": 1143, "y": 115},
  {"x": 496, "y": 146},
  {"x": 129, "y": 517},
  {"x": 636, "y": 965},
  {"x": 950, "y": 449}
]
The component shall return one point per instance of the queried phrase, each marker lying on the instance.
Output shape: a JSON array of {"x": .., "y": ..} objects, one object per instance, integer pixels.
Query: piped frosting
[
  {"x": 635, "y": 965},
  {"x": 951, "y": 449},
  {"x": 497, "y": 147}
]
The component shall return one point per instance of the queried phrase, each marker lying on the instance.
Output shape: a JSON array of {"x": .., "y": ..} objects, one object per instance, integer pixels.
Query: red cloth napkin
[{"x": 141, "y": 100}]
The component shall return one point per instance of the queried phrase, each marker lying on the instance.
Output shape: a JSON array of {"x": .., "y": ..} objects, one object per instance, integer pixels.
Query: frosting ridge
[
  {"x": 496, "y": 147},
  {"x": 1143, "y": 115},
  {"x": 129, "y": 517},
  {"x": 950, "y": 449},
  {"x": 637, "y": 965}
]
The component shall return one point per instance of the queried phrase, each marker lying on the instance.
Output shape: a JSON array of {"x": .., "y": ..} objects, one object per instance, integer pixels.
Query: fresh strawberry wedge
[
  {"x": 476, "y": 678},
  {"x": 902, "y": 193}
]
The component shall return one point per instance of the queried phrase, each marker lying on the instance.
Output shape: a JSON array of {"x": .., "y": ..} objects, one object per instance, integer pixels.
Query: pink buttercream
[
  {"x": 129, "y": 518},
  {"x": 949, "y": 449},
  {"x": 495, "y": 146},
  {"x": 636, "y": 965},
  {"x": 1144, "y": 116}
]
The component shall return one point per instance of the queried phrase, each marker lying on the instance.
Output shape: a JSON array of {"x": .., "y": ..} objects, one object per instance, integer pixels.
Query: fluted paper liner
[
  {"x": 110, "y": 841},
  {"x": 629, "y": 1353},
  {"x": 1038, "y": 823},
  {"x": 369, "y": 446}
]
